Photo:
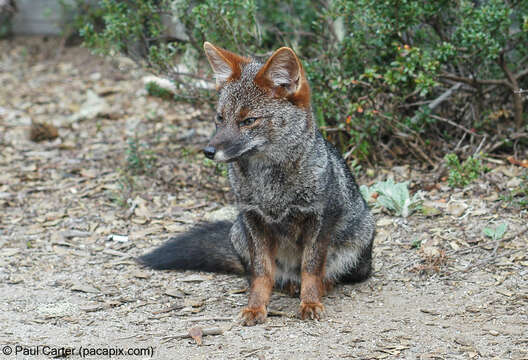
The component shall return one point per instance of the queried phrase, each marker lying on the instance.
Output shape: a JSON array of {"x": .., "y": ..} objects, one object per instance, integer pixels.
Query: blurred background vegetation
[{"x": 389, "y": 78}]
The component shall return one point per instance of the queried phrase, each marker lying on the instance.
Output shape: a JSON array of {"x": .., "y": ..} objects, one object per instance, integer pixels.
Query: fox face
[{"x": 259, "y": 105}]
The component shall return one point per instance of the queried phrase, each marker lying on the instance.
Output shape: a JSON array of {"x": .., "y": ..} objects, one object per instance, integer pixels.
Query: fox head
[{"x": 263, "y": 109}]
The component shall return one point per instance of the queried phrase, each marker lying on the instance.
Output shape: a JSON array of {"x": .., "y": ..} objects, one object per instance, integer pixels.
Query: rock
[
  {"x": 56, "y": 310},
  {"x": 93, "y": 107},
  {"x": 384, "y": 222}
]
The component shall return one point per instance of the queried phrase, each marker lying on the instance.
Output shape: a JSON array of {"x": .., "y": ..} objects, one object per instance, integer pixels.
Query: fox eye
[
  {"x": 248, "y": 121},
  {"x": 219, "y": 118}
]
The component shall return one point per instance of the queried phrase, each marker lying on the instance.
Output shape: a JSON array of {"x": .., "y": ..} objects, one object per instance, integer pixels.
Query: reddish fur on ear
[
  {"x": 234, "y": 61},
  {"x": 289, "y": 64}
]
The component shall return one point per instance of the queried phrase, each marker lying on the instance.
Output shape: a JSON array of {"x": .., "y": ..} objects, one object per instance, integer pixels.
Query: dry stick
[
  {"x": 513, "y": 137},
  {"x": 480, "y": 145},
  {"x": 523, "y": 230},
  {"x": 450, "y": 122},
  {"x": 212, "y": 318},
  {"x": 474, "y": 82},
  {"x": 186, "y": 335},
  {"x": 489, "y": 260},
  {"x": 517, "y": 98},
  {"x": 422, "y": 154},
  {"x": 440, "y": 99}
]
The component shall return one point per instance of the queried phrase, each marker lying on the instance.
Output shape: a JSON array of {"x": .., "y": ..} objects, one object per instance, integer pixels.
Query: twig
[
  {"x": 272, "y": 312},
  {"x": 489, "y": 260},
  {"x": 523, "y": 230},
  {"x": 513, "y": 137},
  {"x": 205, "y": 332},
  {"x": 444, "y": 96},
  {"x": 474, "y": 82},
  {"x": 213, "y": 318},
  {"x": 422, "y": 154},
  {"x": 480, "y": 145},
  {"x": 450, "y": 122},
  {"x": 172, "y": 308}
]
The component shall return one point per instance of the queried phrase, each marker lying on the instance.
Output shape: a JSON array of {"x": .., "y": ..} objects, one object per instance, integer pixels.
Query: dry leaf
[
  {"x": 42, "y": 131},
  {"x": 196, "y": 333},
  {"x": 523, "y": 163}
]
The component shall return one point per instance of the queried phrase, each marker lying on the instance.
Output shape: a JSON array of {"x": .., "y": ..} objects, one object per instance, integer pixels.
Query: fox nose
[{"x": 209, "y": 152}]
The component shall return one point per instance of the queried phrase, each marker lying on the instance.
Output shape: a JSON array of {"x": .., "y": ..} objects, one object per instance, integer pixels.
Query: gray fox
[{"x": 302, "y": 223}]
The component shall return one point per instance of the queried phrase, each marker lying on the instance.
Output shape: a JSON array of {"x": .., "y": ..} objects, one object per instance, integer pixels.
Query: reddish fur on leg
[
  {"x": 253, "y": 316},
  {"x": 311, "y": 293},
  {"x": 260, "y": 293}
]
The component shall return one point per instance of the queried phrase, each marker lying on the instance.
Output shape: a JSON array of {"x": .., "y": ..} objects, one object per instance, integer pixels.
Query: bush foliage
[{"x": 386, "y": 75}]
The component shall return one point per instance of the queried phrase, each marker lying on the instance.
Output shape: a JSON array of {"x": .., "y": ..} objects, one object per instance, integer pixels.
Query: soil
[{"x": 125, "y": 173}]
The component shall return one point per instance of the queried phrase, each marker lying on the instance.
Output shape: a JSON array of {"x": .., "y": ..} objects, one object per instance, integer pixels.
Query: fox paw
[
  {"x": 252, "y": 316},
  {"x": 311, "y": 311}
]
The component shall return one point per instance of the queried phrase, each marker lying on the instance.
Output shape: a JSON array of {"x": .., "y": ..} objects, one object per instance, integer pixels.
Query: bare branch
[{"x": 475, "y": 82}]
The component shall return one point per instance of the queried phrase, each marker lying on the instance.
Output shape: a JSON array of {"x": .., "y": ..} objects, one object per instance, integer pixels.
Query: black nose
[{"x": 209, "y": 152}]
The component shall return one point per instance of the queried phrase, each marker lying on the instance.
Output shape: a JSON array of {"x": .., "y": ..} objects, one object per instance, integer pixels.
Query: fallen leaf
[
  {"x": 196, "y": 333},
  {"x": 430, "y": 211},
  {"x": 89, "y": 173},
  {"x": 456, "y": 208},
  {"x": 175, "y": 293},
  {"x": 141, "y": 275},
  {"x": 42, "y": 131},
  {"x": 512, "y": 160}
]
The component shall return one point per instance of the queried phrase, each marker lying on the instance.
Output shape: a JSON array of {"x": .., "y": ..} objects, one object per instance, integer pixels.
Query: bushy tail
[{"x": 206, "y": 247}]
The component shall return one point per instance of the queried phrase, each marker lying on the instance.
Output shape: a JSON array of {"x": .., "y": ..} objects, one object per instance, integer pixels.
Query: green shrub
[
  {"x": 139, "y": 158},
  {"x": 375, "y": 66},
  {"x": 154, "y": 89},
  {"x": 462, "y": 174}
]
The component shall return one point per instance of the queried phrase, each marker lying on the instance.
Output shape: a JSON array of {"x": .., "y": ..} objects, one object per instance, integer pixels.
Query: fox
[{"x": 303, "y": 225}]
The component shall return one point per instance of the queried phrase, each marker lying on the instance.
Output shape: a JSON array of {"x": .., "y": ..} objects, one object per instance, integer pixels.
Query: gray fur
[{"x": 286, "y": 174}]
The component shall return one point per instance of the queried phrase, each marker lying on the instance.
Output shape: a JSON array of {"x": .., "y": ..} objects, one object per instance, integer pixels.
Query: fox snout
[
  {"x": 223, "y": 146},
  {"x": 209, "y": 152}
]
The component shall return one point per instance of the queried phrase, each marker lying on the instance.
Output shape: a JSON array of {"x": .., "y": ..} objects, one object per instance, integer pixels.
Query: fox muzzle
[{"x": 209, "y": 152}]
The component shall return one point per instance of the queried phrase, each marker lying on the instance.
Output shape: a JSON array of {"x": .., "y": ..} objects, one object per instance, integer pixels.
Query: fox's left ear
[{"x": 284, "y": 75}]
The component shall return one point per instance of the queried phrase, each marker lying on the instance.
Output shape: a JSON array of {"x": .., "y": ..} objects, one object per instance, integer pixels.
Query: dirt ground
[{"x": 440, "y": 288}]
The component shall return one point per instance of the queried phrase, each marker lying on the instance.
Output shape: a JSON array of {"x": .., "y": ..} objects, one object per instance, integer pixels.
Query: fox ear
[
  {"x": 284, "y": 75},
  {"x": 226, "y": 65}
]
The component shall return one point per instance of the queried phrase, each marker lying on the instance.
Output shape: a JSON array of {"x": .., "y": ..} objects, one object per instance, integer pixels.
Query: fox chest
[{"x": 273, "y": 194}]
